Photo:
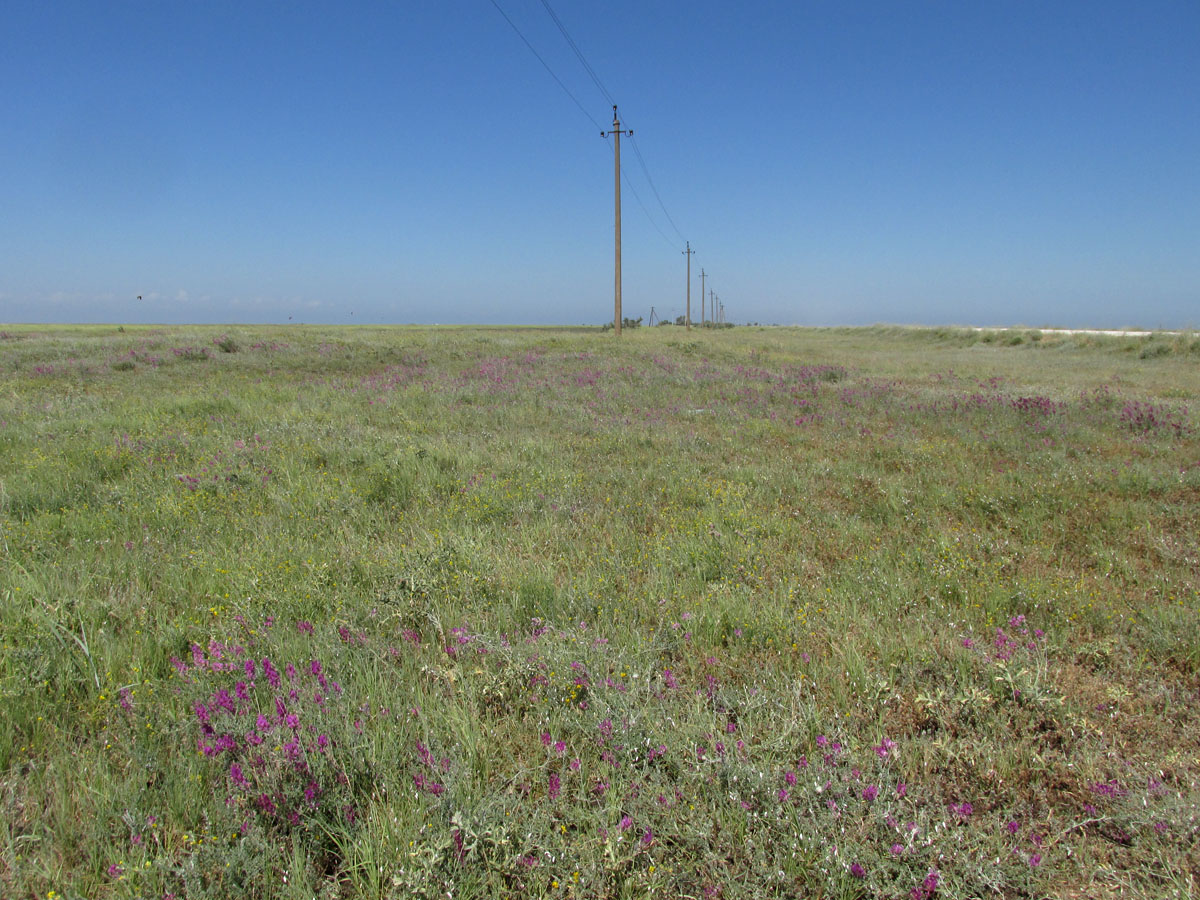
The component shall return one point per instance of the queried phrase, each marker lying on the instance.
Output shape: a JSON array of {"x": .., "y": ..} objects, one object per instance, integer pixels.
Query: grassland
[{"x": 384, "y": 612}]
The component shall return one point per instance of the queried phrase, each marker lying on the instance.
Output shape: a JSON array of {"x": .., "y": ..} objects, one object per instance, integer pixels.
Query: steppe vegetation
[{"x": 391, "y": 612}]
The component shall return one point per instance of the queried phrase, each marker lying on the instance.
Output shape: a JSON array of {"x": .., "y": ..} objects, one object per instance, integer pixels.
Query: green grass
[{"x": 730, "y": 613}]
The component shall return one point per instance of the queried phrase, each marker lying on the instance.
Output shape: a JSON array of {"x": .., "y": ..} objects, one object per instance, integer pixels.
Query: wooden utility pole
[
  {"x": 701, "y": 295},
  {"x": 687, "y": 319},
  {"x": 616, "y": 133}
]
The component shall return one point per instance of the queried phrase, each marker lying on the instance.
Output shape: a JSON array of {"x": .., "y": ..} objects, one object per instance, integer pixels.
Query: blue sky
[{"x": 830, "y": 162}]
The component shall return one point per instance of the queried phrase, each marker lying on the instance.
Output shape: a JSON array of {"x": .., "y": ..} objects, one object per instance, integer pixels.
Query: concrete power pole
[
  {"x": 712, "y": 305},
  {"x": 616, "y": 133},
  {"x": 701, "y": 295},
  {"x": 688, "y": 318}
]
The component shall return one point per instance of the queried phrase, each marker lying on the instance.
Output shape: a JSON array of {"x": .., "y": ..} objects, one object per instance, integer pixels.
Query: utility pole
[
  {"x": 701, "y": 295},
  {"x": 616, "y": 133},
  {"x": 712, "y": 305},
  {"x": 687, "y": 320}
]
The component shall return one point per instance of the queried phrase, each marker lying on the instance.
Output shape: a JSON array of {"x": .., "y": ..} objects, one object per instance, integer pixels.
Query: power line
[
  {"x": 638, "y": 198},
  {"x": 637, "y": 150},
  {"x": 596, "y": 79},
  {"x": 646, "y": 171},
  {"x": 546, "y": 65},
  {"x": 579, "y": 53}
]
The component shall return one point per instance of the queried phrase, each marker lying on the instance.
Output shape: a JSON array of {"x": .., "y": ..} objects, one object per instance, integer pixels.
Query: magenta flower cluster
[{"x": 267, "y": 731}]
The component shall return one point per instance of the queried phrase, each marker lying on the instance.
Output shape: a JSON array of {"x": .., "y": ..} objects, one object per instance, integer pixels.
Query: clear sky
[{"x": 985, "y": 163}]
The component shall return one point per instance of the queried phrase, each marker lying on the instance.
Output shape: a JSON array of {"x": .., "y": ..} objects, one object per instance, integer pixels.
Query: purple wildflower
[
  {"x": 927, "y": 888},
  {"x": 1108, "y": 789}
]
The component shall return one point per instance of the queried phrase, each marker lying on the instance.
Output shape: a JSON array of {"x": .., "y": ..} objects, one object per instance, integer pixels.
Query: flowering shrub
[
  {"x": 1147, "y": 418},
  {"x": 274, "y": 734}
]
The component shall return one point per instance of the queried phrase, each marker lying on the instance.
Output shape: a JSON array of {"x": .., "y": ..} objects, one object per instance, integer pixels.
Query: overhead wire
[
  {"x": 608, "y": 96},
  {"x": 638, "y": 198},
  {"x": 637, "y": 150},
  {"x": 546, "y": 66},
  {"x": 646, "y": 171},
  {"x": 579, "y": 53}
]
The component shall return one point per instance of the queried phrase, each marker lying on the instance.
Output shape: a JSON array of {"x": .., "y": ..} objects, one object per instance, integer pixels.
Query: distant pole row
[
  {"x": 616, "y": 134},
  {"x": 712, "y": 300},
  {"x": 716, "y": 311}
]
